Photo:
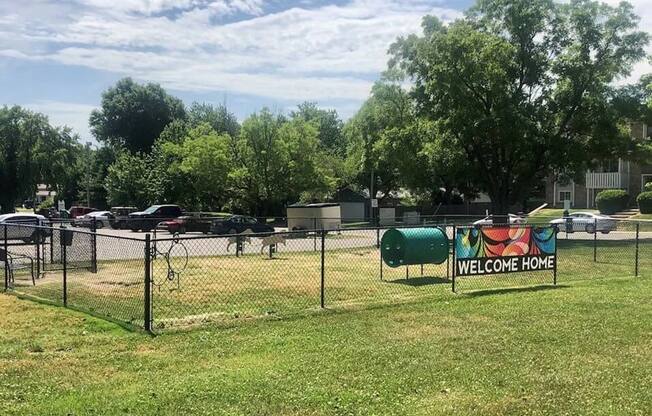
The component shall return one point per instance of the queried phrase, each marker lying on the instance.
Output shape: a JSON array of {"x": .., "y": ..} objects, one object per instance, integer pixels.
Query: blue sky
[{"x": 58, "y": 56}]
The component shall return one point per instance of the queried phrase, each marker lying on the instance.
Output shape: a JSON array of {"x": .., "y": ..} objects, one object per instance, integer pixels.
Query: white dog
[
  {"x": 234, "y": 239},
  {"x": 271, "y": 240}
]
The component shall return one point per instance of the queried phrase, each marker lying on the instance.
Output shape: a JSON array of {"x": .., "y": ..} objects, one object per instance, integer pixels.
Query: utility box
[
  {"x": 411, "y": 218},
  {"x": 386, "y": 216},
  {"x": 321, "y": 216},
  {"x": 402, "y": 247}
]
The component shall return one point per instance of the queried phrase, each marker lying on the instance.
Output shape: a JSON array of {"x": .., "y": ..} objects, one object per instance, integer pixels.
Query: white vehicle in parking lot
[
  {"x": 22, "y": 227},
  {"x": 513, "y": 220},
  {"x": 584, "y": 221},
  {"x": 102, "y": 219}
]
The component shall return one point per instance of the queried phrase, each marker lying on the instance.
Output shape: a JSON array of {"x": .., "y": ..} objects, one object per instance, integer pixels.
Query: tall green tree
[
  {"x": 388, "y": 111},
  {"x": 328, "y": 123},
  {"x": 134, "y": 179},
  {"x": 522, "y": 87},
  {"x": 32, "y": 152},
  {"x": 132, "y": 116},
  {"x": 277, "y": 161},
  {"x": 219, "y": 118},
  {"x": 197, "y": 170}
]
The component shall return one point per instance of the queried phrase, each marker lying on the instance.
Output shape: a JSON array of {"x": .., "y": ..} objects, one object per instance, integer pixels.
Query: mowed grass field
[
  {"x": 229, "y": 288},
  {"x": 582, "y": 348}
]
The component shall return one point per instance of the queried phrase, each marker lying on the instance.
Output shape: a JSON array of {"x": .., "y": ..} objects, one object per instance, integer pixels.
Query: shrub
[
  {"x": 644, "y": 200},
  {"x": 610, "y": 201},
  {"x": 648, "y": 187},
  {"x": 47, "y": 203}
]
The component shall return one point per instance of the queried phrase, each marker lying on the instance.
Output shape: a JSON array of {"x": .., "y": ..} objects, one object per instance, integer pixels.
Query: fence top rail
[
  {"x": 68, "y": 229},
  {"x": 290, "y": 232}
]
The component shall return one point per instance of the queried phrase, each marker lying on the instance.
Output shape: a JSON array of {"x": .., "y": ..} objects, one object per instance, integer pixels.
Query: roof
[
  {"x": 317, "y": 205},
  {"x": 348, "y": 195}
]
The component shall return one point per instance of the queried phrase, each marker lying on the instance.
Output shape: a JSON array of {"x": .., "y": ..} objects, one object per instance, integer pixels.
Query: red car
[
  {"x": 79, "y": 211},
  {"x": 185, "y": 224}
]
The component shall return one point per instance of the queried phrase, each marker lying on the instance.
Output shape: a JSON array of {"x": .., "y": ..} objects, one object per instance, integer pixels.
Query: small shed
[
  {"x": 353, "y": 205},
  {"x": 387, "y": 215},
  {"x": 320, "y": 216}
]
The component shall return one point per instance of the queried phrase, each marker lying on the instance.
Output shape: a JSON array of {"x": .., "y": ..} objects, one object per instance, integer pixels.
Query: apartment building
[{"x": 612, "y": 174}]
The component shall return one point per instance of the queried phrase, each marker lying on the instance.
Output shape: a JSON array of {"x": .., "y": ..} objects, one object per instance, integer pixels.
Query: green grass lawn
[{"x": 584, "y": 347}]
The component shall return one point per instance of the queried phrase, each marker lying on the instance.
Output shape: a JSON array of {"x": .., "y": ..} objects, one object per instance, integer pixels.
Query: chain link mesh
[{"x": 197, "y": 279}]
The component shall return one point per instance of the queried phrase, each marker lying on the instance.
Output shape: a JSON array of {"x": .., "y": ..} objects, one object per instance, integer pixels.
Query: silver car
[
  {"x": 102, "y": 219},
  {"x": 584, "y": 221},
  {"x": 22, "y": 227}
]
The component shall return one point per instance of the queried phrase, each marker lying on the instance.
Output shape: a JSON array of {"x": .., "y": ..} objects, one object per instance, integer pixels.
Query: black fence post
[
  {"x": 6, "y": 258},
  {"x": 638, "y": 226},
  {"x": 453, "y": 255},
  {"x": 323, "y": 269},
  {"x": 39, "y": 237},
  {"x": 51, "y": 247},
  {"x": 94, "y": 246},
  {"x": 377, "y": 237},
  {"x": 554, "y": 269},
  {"x": 147, "y": 318},
  {"x": 314, "y": 230},
  {"x": 64, "y": 257},
  {"x": 595, "y": 240}
]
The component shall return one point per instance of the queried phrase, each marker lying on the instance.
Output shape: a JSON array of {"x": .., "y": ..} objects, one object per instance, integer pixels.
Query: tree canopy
[
  {"x": 522, "y": 87},
  {"x": 132, "y": 115},
  {"x": 32, "y": 152}
]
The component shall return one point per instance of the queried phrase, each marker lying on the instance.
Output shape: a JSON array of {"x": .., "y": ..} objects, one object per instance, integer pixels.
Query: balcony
[{"x": 605, "y": 180}]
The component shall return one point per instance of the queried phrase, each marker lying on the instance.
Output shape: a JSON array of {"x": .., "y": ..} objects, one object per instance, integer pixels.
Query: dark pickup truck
[{"x": 148, "y": 220}]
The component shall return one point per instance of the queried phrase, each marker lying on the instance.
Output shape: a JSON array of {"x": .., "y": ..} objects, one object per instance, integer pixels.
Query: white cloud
[
  {"x": 324, "y": 53},
  {"x": 73, "y": 115}
]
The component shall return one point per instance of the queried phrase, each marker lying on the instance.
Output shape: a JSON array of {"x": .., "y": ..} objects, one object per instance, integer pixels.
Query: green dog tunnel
[{"x": 406, "y": 246}]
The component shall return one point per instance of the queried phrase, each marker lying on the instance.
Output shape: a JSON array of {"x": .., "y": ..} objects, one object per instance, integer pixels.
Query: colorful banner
[{"x": 505, "y": 249}]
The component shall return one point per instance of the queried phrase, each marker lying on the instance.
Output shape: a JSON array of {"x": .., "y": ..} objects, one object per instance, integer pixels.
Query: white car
[
  {"x": 26, "y": 233},
  {"x": 513, "y": 220},
  {"x": 584, "y": 221},
  {"x": 102, "y": 219}
]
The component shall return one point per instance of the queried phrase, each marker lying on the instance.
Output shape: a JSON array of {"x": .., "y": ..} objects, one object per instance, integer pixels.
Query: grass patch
[
  {"x": 584, "y": 348},
  {"x": 642, "y": 217},
  {"x": 229, "y": 288}
]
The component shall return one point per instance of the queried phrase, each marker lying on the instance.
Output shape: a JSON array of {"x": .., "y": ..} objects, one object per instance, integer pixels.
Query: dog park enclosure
[{"x": 177, "y": 281}]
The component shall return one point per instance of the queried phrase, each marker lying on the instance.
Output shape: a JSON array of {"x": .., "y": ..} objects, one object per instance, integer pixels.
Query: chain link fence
[{"x": 180, "y": 281}]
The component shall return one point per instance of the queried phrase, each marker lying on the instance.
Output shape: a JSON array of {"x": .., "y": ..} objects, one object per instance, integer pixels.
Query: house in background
[
  {"x": 43, "y": 193},
  {"x": 612, "y": 174}
]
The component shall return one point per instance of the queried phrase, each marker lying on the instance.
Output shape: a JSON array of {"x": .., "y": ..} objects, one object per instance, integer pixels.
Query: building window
[
  {"x": 645, "y": 179},
  {"x": 564, "y": 196}
]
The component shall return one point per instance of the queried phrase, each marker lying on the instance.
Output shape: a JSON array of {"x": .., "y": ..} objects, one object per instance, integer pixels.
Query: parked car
[
  {"x": 78, "y": 211},
  {"x": 120, "y": 216},
  {"x": 148, "y": 219},
  {"x": 186, "y": 224},
  {"x": 585, "y": 221},
  {"x": 53, "y": 214},
  {"x": 513, "y": 219},
  {"x": 237, "y": 224},
  {"x": 102, "y": 219},
  {"x": 25, "y": 234}
]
